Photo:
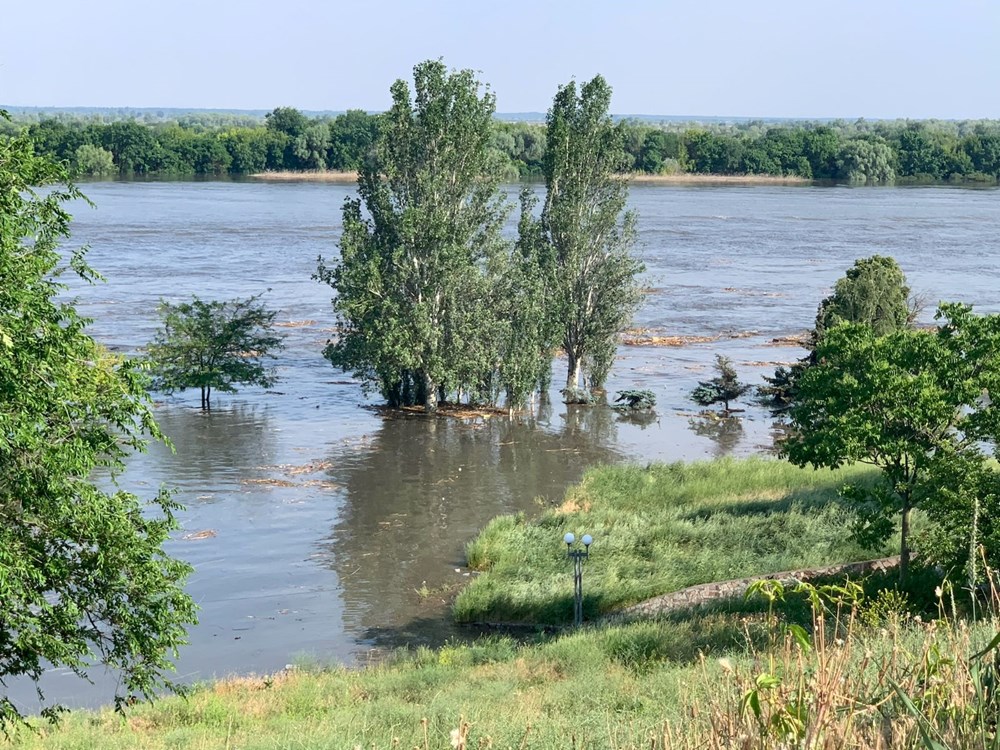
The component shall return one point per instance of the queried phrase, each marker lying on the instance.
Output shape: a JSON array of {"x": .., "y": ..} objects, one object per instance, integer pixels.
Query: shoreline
[
  {"x": 342, "y": 178},
  {"x": 346, "y": 178},
  {"x": 716, "y": 179}
]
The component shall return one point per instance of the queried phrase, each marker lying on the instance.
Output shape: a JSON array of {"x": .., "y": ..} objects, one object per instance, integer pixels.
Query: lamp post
[{"x": 578, "y": 556}]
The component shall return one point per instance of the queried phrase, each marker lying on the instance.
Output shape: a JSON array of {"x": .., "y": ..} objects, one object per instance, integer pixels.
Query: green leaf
[
  {"x": 992, "y": 645},
  {"x": 923, "y": 725},
  {"x": 751, "y": 701},
  {"x": 800, "y": 636}
]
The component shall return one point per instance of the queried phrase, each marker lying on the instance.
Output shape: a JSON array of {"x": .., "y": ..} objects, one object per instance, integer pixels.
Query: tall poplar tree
[
  {"x": 419, "y": 242},
  {"x": 591, "y": 234}
]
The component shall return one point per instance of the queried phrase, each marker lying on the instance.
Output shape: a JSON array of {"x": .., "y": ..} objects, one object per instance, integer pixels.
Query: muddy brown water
[{"x": 317, "y": 526}]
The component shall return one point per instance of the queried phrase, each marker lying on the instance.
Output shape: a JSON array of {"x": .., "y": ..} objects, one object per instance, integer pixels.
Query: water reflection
[
  {"x": 641, "y": 418},
  {"x": 421, "y": 490},
  {"x": 209, "y": 447},
  {"x": 726, "y": 433}
]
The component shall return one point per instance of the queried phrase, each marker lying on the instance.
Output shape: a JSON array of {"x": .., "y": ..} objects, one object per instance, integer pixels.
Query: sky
[{"x": 729, "y": 58}]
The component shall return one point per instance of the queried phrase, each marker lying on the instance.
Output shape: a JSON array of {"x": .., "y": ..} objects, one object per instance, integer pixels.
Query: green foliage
[
  {"x": 862, "y": 152},
  {"x": 422, "y": 269},
  {"x": 867, "y": 161},
  {"x": 890, "y": 607},
  {"x": 872, "y": 292},
  {"x": 721, "y": 389},
  {"x": 589, "y": 232},
  {"x": 638, "y": 400},
  {"x": 93, "y": 161},
  {"x": 83, "y": 577},
  {"x": 287, "y": 120},
  {"x": 311, "y": 147},
  {"x": 577, "y": 395},
  {"x": 916, "y": 405},
  {"x": 352, "y": 137},
  {"x": 213, "y": 345},
  {"x": 778, "y": 393}
]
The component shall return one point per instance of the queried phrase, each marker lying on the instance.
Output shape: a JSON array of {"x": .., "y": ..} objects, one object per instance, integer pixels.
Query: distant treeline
[{"x": 873, "y": 152}]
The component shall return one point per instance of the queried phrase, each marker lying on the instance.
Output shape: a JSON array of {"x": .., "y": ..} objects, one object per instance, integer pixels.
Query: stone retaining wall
[{"x": 708, "y": 592}]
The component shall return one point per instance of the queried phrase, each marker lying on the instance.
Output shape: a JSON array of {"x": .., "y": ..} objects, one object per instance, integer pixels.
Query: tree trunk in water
[
  {"x": 904, "y": 542},
  {"x": 430, "y": 395},
  {"x": 392, "y": 394},
  {"x": 572, "y": 371}
]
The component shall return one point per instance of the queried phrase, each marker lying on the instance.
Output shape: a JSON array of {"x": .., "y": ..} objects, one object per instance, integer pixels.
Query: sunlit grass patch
[{"x": 658, "y": 529}]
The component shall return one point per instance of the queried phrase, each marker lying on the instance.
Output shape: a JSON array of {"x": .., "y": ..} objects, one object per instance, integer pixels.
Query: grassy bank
[
  {"x": 636, "y": 686},
  {"x": 836, "y": 666},
  {"x": 656, "y": 530}
]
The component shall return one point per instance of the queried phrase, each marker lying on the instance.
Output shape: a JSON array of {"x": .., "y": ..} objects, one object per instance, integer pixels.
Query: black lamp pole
[{"x": 578, "y": 556}]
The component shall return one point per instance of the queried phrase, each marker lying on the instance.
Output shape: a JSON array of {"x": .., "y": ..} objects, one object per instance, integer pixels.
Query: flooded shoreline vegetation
[
  {"x": 288, "y": 141},
  {"x": 585, "y": 235},
  {"x": 434, "y": 304},
  {"x": 213, "y": 345},
  {"x": 657, "y": 530},
  {"x": 872, "y": 292}
]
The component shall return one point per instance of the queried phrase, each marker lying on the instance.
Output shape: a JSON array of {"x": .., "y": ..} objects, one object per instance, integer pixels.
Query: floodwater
[{"x": 320, "y": 530}]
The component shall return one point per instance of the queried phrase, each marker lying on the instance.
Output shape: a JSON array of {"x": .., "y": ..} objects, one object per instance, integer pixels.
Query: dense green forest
[{"x": 206, "y": 143}]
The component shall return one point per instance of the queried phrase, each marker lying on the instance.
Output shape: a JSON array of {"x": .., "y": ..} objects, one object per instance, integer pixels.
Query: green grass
[
  {"x": 600, "y": 687},
  {"x": 659, "y": 529}
]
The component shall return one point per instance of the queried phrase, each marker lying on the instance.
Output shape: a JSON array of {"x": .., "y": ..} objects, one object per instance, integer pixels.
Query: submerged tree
[
  {"x": 590, "y": 233},
  {"x": 214, "y": 345},
  {"x": 83, "y": 576},
  {"x": 721, "y": 389},
  {"x": 873, "y": 292},
  {"x": 431, "y": 298}
]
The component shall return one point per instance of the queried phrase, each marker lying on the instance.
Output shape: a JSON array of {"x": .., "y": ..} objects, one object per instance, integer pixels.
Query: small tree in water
[
  {"x": 723, "y": 388},
  {"x": 213, "y": 345}
]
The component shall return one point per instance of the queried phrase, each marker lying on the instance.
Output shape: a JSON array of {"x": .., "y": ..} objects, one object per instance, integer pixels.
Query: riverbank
[
  {"x": 344, "y": 178},
  {"x": 841, "y": 667},
  {"x": 648, "y": 685},
  {"x": 688, "y": 178}
]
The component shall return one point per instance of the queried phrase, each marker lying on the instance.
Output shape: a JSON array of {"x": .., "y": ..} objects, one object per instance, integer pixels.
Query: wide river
[{"x": 320, "y": 530}]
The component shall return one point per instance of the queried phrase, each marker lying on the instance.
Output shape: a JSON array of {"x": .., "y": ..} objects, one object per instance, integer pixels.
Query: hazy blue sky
[{"x": 801, "y": 58}]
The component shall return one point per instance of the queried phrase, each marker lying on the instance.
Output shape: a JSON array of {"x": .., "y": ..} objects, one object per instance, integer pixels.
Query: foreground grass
[
  {"x": 643, "y": 685},
  {"x": 659, "y": 529}
]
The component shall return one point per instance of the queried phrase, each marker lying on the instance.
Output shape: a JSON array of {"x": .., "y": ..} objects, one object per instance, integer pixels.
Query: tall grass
[
  {"x": 659, "y": 529},
  {"x": 848, "y": 680}
]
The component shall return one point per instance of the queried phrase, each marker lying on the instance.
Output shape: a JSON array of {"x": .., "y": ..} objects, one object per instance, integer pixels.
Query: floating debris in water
[
  {"x": 295, "y": 324},
  {"x": 196, "y": 535}
]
